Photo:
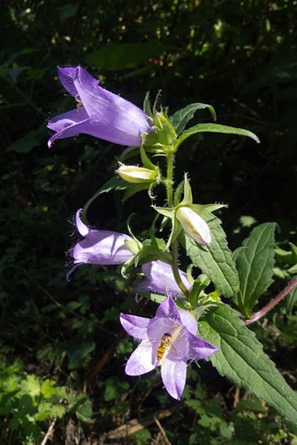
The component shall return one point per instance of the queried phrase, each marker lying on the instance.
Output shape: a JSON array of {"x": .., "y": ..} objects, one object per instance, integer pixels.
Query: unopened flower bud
[
  {"x": 136, "y": 175},
  {"x": 194, "y": 225}
]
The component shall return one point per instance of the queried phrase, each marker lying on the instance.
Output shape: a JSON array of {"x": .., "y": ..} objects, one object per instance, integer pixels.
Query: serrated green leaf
[
  {"x": 242, "y": 360},
  {"x": 30, "y": 386},
  {"x": 48, "y": 388},
  {"x": 215, "y": 260},
  {"x": 216, "y": 128},
  {"x": 182, "y": 117},
  {"x": 254, "y": 261}
]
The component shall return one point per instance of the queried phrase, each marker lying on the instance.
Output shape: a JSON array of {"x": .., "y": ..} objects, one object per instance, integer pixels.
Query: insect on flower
[
  {"x": 168, "y": 340},
  {"x": 164, "y": 346}
]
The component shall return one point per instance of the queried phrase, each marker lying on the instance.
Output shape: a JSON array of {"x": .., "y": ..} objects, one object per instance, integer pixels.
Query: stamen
[{"x": 79, "y": 102}]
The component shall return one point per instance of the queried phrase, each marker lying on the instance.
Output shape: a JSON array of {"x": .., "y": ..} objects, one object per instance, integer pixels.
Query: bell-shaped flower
[
  {"x": 99, "y": 113},
  {"x": 160, "y": 279},
  {"x": 168, "y": 340},
  {"x": 102, "y": 247},
  {"x": 193, "y": 225}
]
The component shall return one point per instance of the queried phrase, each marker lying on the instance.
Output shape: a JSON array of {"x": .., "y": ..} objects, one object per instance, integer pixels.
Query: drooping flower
[
  {"x": 193, "y": 225},
  {"x": 99, "y": 246},
  {"x": 100, "y": 113},
  {"x": 168, "y": 340},
  {"x": 160, "y": 279}
]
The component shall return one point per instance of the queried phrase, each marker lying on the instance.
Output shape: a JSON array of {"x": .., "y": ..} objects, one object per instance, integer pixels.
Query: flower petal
[
  {"x": 168, "y": 309},
  {"x": 102, "y": 247},
  {"x": 142, "y": 360},
  {"x": 158, "y": 326},
  {"x": 69, "y": 124},
  {"x": 199, "y": 348},
  {"x": 160, "y": 279},
  {"x": 188, "y": 321},
  {"x": 66, "y": 77},
  {"x": 174, "y": 375},
  {"x": 135, "y": 326},
  {"x": 80, "y": 225}
]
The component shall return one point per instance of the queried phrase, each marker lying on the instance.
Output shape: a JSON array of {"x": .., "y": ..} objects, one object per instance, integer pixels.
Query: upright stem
[
  {"x": 169, "y": 179},
  {"x": 169, "y": 190}
]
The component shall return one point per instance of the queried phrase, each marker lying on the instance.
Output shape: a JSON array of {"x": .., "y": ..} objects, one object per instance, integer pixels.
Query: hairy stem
[{"x": 257, "y": 315}]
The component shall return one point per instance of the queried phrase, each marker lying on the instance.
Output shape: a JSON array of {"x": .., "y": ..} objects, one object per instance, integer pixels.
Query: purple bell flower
[
  {"x": 99, "y": 246},
  {"x": 99, "y": 113},
  {"x": 168, "y": 340},
  {"x": 160, "y": 279}
]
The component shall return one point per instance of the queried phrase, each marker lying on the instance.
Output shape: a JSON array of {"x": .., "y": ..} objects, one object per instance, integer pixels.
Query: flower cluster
[{"x": 170, "y": 339}]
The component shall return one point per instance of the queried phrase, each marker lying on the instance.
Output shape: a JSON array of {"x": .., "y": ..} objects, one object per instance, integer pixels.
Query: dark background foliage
[{"x": 239, "y": 56}]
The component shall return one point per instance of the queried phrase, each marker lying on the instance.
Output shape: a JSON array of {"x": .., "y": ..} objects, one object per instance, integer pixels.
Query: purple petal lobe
[
  {"x": 80, "y": 225},
  {"x": 135, "y": 326},
  {"x": 66, "y": 77},
  {"x": 174, "y": 375},
  {"x": 188, "y": 321},
  {"x": 168, "y": 309},
  {"x": 199, "y": 348},
  {"x": 69, "y": 124},
  {"x": 102, "y": 247},
  {"x": 142, "y": 360}
]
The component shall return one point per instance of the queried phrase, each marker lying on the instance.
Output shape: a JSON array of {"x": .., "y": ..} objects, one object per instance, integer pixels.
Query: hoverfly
[{"x": 164, "y": 345}]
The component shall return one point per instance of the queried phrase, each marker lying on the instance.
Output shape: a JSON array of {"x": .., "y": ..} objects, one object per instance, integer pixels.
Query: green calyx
[{"x": 163, "y": 137}]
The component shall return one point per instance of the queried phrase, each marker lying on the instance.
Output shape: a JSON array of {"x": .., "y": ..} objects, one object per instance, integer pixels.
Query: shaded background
[{"x": 239, "y": 57}]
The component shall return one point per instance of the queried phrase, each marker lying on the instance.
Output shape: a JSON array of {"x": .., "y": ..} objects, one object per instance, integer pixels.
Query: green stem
[
  {"x": 175, "y": 269},
  {"x": 169, "y": 179},
  {"x": 169, "y": 190}
]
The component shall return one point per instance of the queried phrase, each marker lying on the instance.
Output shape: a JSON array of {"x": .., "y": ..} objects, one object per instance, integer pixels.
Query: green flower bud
[
  {"x": 136, "y": 175},
  {"x": 193, "y": 225}
]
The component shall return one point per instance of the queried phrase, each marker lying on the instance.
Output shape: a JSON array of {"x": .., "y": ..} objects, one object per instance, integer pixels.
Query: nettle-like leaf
[
  {"x": 254, "y": 261},
  {"x": 215, "y": 260},
  {"x": 182, "y": 117},
  {"x": 241, "y": 359},
  {"x": 216, "y": 128}
]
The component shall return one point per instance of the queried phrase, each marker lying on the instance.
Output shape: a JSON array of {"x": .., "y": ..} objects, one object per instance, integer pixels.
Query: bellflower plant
[
  {"x": 99, "y": 113},
  {"x": 222, "y": 288},
  {"x": 183, "y": 345}
]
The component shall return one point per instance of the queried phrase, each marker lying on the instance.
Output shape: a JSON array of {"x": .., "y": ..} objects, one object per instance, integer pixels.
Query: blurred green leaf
[{"x": 125, "y": 56}]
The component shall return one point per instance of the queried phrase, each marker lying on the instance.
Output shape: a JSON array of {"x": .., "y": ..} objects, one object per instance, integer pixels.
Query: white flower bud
[
  {"x": 136, "y": 175},
  {"x": 194, "y": 225}
]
